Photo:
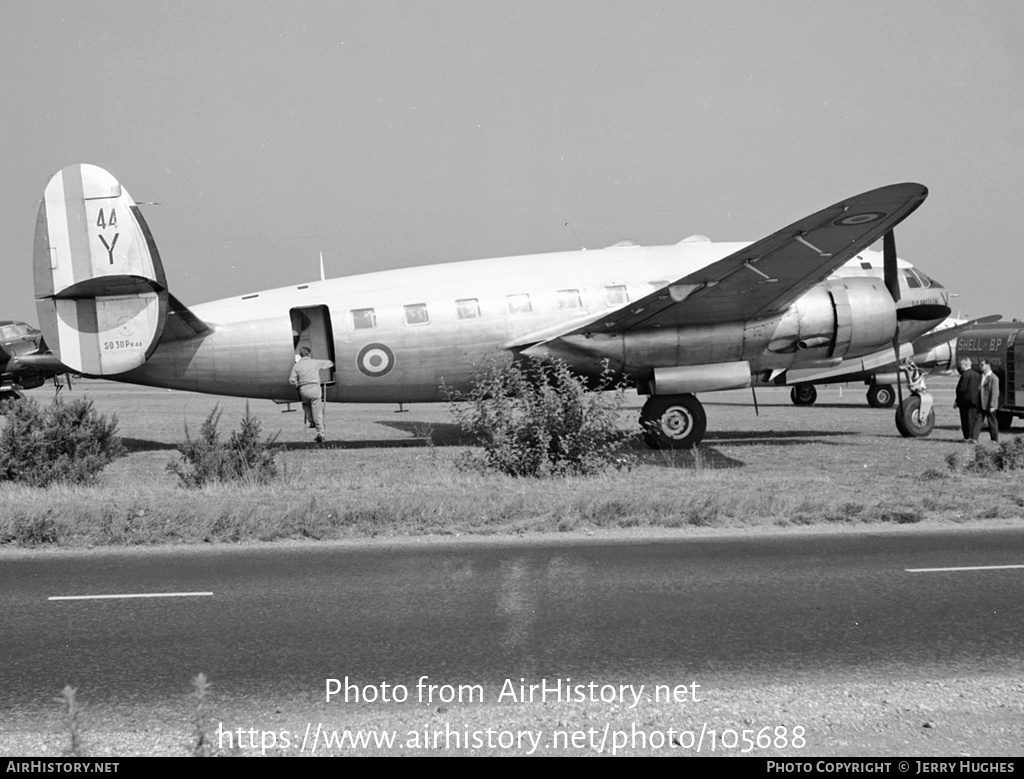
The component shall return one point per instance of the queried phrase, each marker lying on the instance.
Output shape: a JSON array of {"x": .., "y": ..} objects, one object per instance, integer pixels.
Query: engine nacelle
[
  {"x": 939, "y": 358},
  {"x": 841, "y": 318}
]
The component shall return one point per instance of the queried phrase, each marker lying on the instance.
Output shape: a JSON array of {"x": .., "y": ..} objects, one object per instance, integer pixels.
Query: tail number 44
[{"x": 103, "y": 221}]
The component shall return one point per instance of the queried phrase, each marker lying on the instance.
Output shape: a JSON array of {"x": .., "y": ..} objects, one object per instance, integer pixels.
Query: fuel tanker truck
[{"x": 1002, "y": 344}]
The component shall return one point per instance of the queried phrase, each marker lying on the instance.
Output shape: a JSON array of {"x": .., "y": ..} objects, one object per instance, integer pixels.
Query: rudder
[{"x": 100, "y": 288}]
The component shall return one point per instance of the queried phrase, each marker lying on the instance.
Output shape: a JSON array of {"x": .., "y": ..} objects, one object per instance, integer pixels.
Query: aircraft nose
[{"x": 927, "y": 304}]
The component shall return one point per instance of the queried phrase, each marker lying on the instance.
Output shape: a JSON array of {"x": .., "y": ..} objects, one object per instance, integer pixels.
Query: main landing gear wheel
[
  {"x": 909, "y": 420},
  {"x": 881, "y": 395},
  {"x": 803, "y": 395},
  {"x": 673, "y": 421},
  {"x": 6, "y": 397}
]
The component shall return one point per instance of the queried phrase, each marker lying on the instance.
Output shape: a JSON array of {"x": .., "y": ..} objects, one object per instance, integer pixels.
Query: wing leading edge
[{"x": 765, "y": 277}]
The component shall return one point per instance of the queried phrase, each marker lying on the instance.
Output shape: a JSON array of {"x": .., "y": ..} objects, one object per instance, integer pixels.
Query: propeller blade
[
  {"x": 896, "y": 348},
  {"x": 892, "y": 281}
]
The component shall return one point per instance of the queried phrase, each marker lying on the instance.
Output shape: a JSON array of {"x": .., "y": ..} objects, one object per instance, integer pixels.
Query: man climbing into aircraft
[{"x": 306, "y": 376}]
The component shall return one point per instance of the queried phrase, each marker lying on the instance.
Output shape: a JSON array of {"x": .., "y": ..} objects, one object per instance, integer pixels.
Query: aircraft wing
[
  {"x": 943, "y": 335},
  {"x": 765, "y": 277}
]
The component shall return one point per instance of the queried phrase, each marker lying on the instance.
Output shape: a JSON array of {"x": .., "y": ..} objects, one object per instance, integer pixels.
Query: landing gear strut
[
  {"x": 673, "y": 421},
  {"x": 915, "y": 416}
]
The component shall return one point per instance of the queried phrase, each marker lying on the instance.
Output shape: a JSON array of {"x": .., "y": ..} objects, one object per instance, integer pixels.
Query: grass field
[{"x": 394, "y": 474}]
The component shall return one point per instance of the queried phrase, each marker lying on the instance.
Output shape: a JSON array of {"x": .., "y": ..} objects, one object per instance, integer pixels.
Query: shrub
[
  {"x": 981, "y": 459},
  {"x": 63, "y": 442},
  {"x": 538, "y": 418},
  {"x": 245, "y": 457}
]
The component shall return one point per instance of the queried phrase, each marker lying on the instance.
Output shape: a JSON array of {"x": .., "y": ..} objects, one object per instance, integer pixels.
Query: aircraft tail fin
[{"x": 100, "y": 289}]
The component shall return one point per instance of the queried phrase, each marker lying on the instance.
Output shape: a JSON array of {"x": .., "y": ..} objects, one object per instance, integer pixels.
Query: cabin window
[
  {"x": 658, "y": 284},
  {"x": 616, "y": 295},
  {"x": 519, "y": 304},
  {"x": 865, "y": 265},
  {"x": 416, "y": 314},
  {"x": 569, "y": 298},
  {"x": 364, "y": 319},
  {"x": 467, "y": 308}
]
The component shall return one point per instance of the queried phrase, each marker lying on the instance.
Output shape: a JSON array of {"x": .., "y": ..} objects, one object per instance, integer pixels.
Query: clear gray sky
[{"x": 403, "y": 133}]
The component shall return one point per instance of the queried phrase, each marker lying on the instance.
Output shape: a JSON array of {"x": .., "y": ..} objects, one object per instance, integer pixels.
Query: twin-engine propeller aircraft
[
  {"x": 20, "y": 340},
  {"x": 672, "y": 320}
]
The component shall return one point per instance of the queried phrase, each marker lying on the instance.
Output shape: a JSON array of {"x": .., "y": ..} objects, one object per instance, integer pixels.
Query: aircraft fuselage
[{"x": 405, "y": 335}]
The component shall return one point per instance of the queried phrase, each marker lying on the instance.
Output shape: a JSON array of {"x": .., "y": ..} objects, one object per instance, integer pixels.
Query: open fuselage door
[{"x": 311, "y": 326}]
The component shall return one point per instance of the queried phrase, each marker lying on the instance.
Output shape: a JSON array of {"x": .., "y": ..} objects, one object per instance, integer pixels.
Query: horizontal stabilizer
[{"x": 100, "y": 288}]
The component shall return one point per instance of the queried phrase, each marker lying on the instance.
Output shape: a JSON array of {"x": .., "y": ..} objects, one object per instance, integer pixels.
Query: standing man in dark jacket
[{"x": 968, "y": 398}]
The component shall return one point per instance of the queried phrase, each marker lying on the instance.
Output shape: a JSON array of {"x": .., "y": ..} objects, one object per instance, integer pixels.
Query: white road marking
[
  {"x": 132, "y": 595},
  {"x": 964, "y": 568}
]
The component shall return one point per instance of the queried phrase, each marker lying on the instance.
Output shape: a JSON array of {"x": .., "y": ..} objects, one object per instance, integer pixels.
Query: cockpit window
[
  {"x": 925, "y": 280},
  {"x": 912, "y": 280}
]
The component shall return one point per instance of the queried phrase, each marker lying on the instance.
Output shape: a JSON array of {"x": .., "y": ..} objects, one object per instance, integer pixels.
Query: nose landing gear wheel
[{"x": 909, "y": 420}]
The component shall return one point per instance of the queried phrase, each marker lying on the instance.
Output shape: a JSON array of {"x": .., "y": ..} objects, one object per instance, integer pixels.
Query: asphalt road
[{"x": 723, "y": 610}]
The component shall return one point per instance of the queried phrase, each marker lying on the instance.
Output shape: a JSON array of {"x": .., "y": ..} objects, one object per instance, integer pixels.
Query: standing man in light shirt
[
  {"x": 306, "y": 377},
  {"x": 989, "y": 402}
]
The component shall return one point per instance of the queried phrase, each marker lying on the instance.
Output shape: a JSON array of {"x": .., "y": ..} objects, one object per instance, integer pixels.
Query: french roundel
[
  {"x": 863, "y": 218},
  {"x": 375, "y": 360}
]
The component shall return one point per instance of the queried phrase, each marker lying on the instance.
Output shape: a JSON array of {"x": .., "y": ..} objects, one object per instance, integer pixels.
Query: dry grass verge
[{"x": 841, "y": 464}]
